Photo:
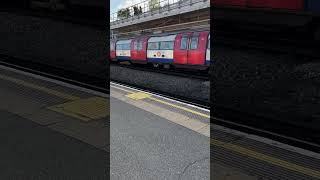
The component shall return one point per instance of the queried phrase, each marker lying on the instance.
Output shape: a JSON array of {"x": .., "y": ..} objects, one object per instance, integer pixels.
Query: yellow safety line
[
  {"x": 180, "y": 107},
  {"x": 266, "y": 158},
  {"x": 169, "y": 104},
  {"x": 40, "y": 88}
]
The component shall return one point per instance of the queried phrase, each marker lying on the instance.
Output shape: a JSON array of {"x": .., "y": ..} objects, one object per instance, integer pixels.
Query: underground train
[{"x": 182, "y": 50}]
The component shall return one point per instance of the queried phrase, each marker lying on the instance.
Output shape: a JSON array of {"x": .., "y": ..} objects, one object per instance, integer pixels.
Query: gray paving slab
[
  {"x": 86, "y": 132},
  {"x": 146, "y": 146},
  {"x": 30, "y": 151}
]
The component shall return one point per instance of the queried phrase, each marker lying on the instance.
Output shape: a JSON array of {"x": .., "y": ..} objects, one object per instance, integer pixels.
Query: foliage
[
  {"x": 123, "y": 13},
  {"x": 154, "y": 5}
]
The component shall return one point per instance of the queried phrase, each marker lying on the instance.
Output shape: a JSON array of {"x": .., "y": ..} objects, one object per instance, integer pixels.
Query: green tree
[
  {"x": 123, "y": 13},
  {"x": 154, "y": 5}
]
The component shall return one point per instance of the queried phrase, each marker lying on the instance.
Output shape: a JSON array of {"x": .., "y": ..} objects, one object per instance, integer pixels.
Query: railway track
[
  {"x": 74, "y": 78},
  {"x": 181, "y": 73},
  {"x": 184, "y": 99},
  {"x": 269, "y": 128}
]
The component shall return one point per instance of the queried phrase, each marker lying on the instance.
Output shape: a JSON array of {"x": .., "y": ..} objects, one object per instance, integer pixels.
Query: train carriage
[
  {"x": 123, "y": 50},
  {"x": 191, "y": 49}
]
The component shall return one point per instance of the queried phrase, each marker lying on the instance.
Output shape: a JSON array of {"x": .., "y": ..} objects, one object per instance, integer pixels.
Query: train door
[
  {"x": 134, "y": 49},
  {"x": 139, "y": 47},
  {"x": 180, "y": 55},
  {"x": 197, "y": 48},
  {"x": 112, "y": 50},
  {"x": 138, "y": 51},
  {"x": 143, "y": 48}
]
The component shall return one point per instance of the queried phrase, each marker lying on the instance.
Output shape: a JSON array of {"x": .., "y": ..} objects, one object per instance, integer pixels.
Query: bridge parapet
[{"x": 150, "y": 10}]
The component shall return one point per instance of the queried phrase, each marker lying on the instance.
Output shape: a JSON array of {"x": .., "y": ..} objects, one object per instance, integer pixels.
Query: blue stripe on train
[
  {"x": 123, "y": 58},
  {"x": 160, "y": 60}
]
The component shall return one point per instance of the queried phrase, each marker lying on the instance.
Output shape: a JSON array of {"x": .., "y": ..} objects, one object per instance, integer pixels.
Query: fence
[{"x": 150, "y": 7}]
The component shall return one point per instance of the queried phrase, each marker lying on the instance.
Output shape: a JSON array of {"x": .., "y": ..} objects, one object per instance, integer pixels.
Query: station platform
[
  {"x": 54, "y": 130},
  {"x": 51, "y": 130},
  {"x": 153, "y": 137}
]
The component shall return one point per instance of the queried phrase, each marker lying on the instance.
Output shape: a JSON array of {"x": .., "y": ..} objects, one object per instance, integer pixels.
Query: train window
[
  {"x": 123, "y": 46},
  {"x": 153, "y": 45},
  {"x": 140, "y": 45},
  {"x": 135, "y": 45},
  {"x": 166, "y": 45},
  {"x": 194, "y": 42},
  {"x": 127, "y": 46},
  {"x": 184, "y": 43}
]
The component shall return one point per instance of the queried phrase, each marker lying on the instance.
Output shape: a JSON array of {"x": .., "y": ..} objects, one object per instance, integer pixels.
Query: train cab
[
  {"x": 123, "y": 48},
  {"x": 190, "y": 49},
  {"x": 139, "y": 50},
  {"x": 160, "y": 49},
  {"x": 113, "y": 50}
]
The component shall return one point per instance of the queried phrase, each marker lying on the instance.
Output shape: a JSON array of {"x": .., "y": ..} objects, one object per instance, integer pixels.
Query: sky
[{"x": 117, "y": 4}]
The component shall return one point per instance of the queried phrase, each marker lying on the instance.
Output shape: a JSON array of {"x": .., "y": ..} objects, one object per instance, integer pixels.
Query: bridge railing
[{"x": 149, "y": 7}]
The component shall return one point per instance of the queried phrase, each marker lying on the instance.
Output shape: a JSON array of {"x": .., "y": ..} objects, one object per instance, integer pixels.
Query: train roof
[{"x": 158, "y": 35}]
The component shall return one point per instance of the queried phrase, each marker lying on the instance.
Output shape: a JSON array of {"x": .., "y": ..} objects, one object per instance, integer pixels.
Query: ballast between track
[{"x": 181, "y": 73}]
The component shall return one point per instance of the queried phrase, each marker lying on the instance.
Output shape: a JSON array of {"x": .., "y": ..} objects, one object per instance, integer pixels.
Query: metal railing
[
  {"x": 150, "y": 7},
  {"x": 201, "y": 25}
]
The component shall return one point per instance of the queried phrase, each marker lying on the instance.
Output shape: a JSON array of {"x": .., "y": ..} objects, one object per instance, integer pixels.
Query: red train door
[
  {"x": 197, "y": 48},
  {"x": 138, "y": 49},
  {"x": 180, "y": 54},
  {"x": 112, "y": 49},
  {"x": 143, "y": 48},
  {"x": 134, "y": 49}
]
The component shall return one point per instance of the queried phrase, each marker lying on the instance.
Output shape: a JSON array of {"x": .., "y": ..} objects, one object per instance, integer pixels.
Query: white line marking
[
  {"x": 121, "y": 89},
  {"x": 172, "y": 100},
  {"x": 56, "y": 82},
  {"x": 270, "y": 142}
]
